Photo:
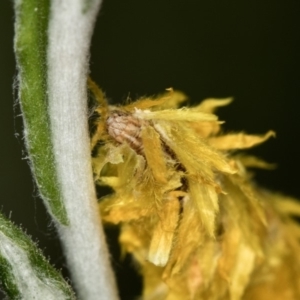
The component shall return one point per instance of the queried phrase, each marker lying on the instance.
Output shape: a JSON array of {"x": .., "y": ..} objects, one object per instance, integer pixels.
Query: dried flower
[{"x": 188, "y": 211}]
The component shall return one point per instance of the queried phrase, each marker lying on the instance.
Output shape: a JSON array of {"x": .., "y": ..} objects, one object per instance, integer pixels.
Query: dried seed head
[{"x": 125, "y": 128}]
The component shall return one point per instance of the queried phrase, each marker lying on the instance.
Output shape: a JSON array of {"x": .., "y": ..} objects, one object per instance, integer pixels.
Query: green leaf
[
  {"x": 24, "y": 271},
  {"x": 30, "y": 47}
]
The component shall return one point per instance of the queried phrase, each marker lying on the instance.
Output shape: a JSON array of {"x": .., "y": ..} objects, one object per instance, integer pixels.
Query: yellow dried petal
[
  {"x": 144, "y": 103},
  {"x": 205, "y": 129},
  {"x": 153, "y": 287},
  {"x": 238, "y": 212},
  {"x": 163, "y": 234},
  {"x": 170, "y": 99},
  {"x": 241, "y": 271},
  {"x": 253, "y": 200},
  {"x": 183, "y": 114},
  {"x": 112, "y": 181},
  {"x": 230, "y": 242},
  {"x": 211, "y": 104},
  {"x": 250, "y": 161},
  {"x": 154, "y": 154},
  {"x": 133, "y": 242},
  {"x": 287, "y": 205},
  {"x": 238, "y": 141},
  {"x": 196, "y": 156},
  {"x": 190, "y": 236},
  {"x": 205, "y": 199},
  {"x": 173, "y": 99},
  {"x": 131, "y": 165},
  {"x": 117, "y": 208}
]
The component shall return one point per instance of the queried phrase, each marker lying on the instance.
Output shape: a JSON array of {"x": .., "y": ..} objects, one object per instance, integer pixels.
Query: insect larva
[{"x": 123, "y": 127}]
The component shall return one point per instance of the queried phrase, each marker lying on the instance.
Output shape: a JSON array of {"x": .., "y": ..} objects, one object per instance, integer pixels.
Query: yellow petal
[
  {"x": 170, "y": 99},
  {"x": 163, "y": 234},
  {"x": 183, "y": 114},
  {"x": 190, "y": 236},
  {"x": 205, "y": 129},
  {"x": 238, "y": 141},
  {"x": 205, "y": 200},
  {"x": 173, "y": 99},
  {"x": 241, "y": 272},
  {"x": 210, "y": 105},
  {"x": 144, "y": 103},
  {"x": 196, "y": 156},
  {"x": 117, "y": 208},
  {"x": 250, "y": 161},
  {"x": 287, "y": 205},
  {"x": 154, "y": 154}
]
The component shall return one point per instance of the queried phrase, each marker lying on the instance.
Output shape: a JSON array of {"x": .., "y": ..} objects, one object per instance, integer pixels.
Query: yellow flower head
[{"x": 188, "y": 212}]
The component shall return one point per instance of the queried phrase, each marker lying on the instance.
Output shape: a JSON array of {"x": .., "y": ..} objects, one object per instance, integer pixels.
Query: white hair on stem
[{"x": 70, "y": 30}]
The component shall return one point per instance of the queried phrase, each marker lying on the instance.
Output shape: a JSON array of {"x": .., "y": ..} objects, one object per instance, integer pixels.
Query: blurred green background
[{"x": 246, "y": 49}]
